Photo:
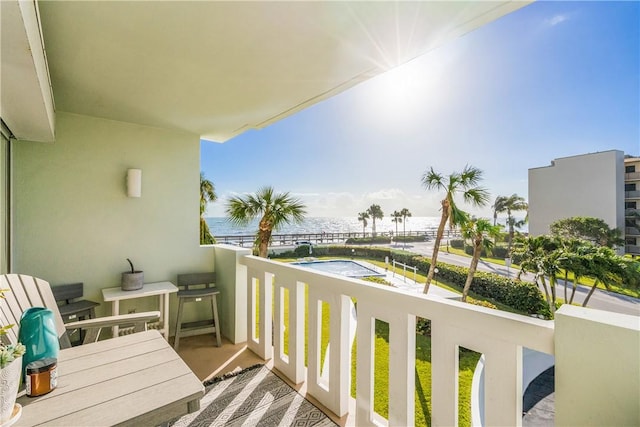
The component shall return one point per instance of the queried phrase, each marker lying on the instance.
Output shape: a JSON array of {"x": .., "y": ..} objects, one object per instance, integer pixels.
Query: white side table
[{"x": 161, "y": 289}]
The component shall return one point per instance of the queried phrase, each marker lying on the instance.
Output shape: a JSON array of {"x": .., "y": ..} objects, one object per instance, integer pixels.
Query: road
[{"x": 602, "y": 300}]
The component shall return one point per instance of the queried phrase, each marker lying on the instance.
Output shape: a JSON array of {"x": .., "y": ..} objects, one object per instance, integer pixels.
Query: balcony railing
[
  {"x": 632, "y": 194},
  {"x": 579, "y": 338},
  {"x": 632, "y": 249},
  {"x": 631, "y": 176},
  {"x": 631, "y": 231}
]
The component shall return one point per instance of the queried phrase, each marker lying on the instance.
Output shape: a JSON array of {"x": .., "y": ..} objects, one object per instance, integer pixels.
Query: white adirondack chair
[{"x": 27, "y": 291}]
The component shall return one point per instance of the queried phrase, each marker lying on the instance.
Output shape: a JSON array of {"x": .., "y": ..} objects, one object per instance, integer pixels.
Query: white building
[
  {"x": 632, "y": 205},
  {"x": 600, "y": 185}
]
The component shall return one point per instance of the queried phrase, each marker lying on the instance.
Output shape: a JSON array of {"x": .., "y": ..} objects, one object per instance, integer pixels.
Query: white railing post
[
  {"x": 402, "y": 365},
  {"x": 293, "y": 364},
  {"x": 503, "y": 385},
  {"x": 335, "y": 394},
  {"x": 444, "y": 376},
  {"x": 263, "y": 280},
  {"x": 365, "y": 366}
]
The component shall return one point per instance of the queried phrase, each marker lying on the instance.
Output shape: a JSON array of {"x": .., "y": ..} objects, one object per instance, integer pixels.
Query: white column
[
  {"x": 292, "y": 365},
  {"x": 444, "y": 376},
  {"x": 597, "y": 368},
  {"x": 335, "y": 394},
  {"x": 402, "y": 363},
  {"x": 503, "y": 385},
  {"x": 365, "y": 365}
]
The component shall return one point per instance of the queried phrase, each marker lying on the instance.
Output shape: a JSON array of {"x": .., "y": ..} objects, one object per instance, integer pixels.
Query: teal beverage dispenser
[{"x": 38, "y": 334}]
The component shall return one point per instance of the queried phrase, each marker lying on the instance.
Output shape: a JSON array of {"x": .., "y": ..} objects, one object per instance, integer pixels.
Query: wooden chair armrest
[{"x": 109, "y": 321}]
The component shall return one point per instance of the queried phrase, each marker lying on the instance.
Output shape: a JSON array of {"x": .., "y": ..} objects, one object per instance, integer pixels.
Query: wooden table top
[{"x": 136, "y": 379}]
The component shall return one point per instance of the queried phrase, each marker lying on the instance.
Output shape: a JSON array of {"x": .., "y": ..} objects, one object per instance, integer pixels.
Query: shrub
[
  {"x": 378, "y": 280},
  {"x": 408, "y": 239},
  {"x": 469, "y": 251},
  {"x": 499, "y": 251},
  {"x": 368, "y": 240},
  {"x": 456, "y": 243},
  {"x": 481, "y": 303},
  {"x": 423, "y": 326}
]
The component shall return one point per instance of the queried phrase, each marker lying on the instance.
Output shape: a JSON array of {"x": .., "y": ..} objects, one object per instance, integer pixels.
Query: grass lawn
[
  {"x": 586, "y": 281},
  {"x": 467, "y": 363}
]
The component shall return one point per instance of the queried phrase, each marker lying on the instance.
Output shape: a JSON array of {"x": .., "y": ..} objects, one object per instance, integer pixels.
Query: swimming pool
[{"x": 341, "y": 266}]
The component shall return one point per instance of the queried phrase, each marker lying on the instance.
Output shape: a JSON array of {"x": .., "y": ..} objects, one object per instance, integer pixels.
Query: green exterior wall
[{"x": 73, "y": 221}]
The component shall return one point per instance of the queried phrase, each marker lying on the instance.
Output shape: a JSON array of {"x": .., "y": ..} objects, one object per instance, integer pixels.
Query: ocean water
[{"x": 220, "y": 226}]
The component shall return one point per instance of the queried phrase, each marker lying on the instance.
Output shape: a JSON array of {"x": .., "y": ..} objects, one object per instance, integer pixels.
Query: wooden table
[
  {"x": 162, "y": 289},
  {"x": 132, "y": 380}
]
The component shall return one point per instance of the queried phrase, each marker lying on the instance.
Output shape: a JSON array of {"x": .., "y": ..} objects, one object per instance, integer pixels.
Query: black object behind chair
[
  {"x": 197, "y": 287},
  {"x": 71, "y": 308}
]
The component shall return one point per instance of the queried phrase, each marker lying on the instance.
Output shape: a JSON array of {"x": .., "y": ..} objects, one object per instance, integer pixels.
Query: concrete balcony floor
[{"x": 208, "y": 361}]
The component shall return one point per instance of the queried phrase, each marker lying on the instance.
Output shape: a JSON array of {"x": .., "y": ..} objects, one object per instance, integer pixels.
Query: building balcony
[
  {"x": 256, "y": 290},
  {"x": 632, "y": 194},
  {"x": 632, "y": 231},
  {"x": 632, "y": 249},
  {"x": 632, "y": 176}
]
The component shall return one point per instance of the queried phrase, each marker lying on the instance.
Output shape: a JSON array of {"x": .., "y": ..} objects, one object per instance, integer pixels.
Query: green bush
[
  {"x": 469, "y": 251},
  {"x": 408, "y": 239},
  {"x": 456, "y": 243},
  {"x": 303, "y": 251},
  {"x": 368, "y": 240},
  {"x": 481, "y": 303},
  {"x": 499, "y": 251},
  {"x": 378, "y": 280}
]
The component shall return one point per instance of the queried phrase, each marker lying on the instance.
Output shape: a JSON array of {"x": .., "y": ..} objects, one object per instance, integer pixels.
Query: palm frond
[
  {"x": 476, "y": 196},
  {"x": 433, "y": 180}
]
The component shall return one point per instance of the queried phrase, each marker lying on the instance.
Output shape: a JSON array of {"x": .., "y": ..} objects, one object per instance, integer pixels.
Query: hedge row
[
  {"x": 410, "y": 238},
  {"x": 456, "y": 243},
  {"x": 522, "y": 296},
  {"x": 368, "y": 240}
]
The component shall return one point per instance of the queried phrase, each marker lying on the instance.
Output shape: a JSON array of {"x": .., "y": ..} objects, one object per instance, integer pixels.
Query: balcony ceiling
[{"x": 217, "y": 69}]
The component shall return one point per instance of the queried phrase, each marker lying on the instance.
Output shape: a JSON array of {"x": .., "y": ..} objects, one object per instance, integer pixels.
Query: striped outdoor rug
[{"x": 253, "y": 397}]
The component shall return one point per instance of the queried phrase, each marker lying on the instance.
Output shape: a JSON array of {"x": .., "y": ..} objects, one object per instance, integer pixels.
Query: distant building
[
  {"x": 632, "y": 204},
  {"x": 602, "y": 185}
]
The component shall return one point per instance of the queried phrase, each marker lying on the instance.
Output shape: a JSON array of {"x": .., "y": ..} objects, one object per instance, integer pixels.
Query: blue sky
[{"x": 553, "y": 79}]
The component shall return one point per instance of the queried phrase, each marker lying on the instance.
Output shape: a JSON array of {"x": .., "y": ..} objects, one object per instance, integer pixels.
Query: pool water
[{"x": 343, "y": 267}]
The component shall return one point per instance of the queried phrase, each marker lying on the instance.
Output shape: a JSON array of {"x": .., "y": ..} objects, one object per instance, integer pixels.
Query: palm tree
[
  {"x": 511, "y": 204},
  {"x": 604, "y": 267},
  {"x": 498, "y": 206},
  {"x": 533, "y": 252},
  {"x": 466, "y": 183},
  {"x": 207, "y": 194},
  {"x": 478, "y": 231},
  {"x": 274, "y": 211},
  {"x": 396, "y": 217},
  {"x": 405, "y": 214},
  {"x": 363, "y": 216},
  {"x": 375, "y": 212}
]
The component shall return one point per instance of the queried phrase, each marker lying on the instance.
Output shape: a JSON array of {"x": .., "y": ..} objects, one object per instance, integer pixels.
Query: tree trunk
[
  {"x": 436, "y": 248},
  {"x": 593, "y": 288},
  {"x": 264, "y": 236},
  {"x": 552, "y": 285},
  {"x": 373, "y": 228},
  {"x": 546, "y": 291},
  {"x": 566, "y": 279},
  {"x": 573, "y": 289},
  {"x": 477, "y": 250},
  {"x": 510, "y": 234}
]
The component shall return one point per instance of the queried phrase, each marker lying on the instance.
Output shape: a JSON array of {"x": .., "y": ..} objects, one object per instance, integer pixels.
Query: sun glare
[{"x": 403, "y": 94}]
